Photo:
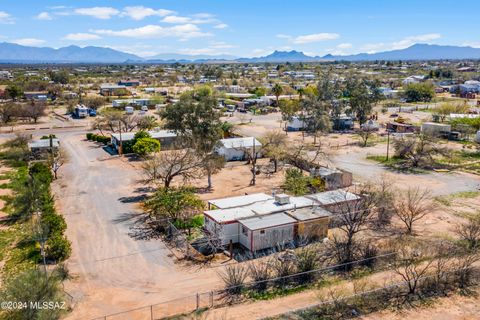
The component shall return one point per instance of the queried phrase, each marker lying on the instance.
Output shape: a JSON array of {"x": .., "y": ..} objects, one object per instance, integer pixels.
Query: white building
[{"x": 235, "y": 149}]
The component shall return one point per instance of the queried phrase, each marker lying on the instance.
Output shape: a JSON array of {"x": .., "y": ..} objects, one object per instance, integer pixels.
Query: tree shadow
[
  {"x": 133, "y": 199},
  {"x": 139, "y": 225}
]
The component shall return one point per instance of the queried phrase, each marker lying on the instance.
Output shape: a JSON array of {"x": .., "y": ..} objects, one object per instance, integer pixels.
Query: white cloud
[
  {"x": 344, "y": 46},
  {"x": 221, "y": 26},
  {"x": 6, "y": 18},
  {"x": 196, "y": 52},
  {"x": 183, "y": 32},
  {"x": 471, "y": 44},
  {"x": 29, "y": 42},
  {"x": 316, "y": 37},
  {"x": 408, "y": 41},
  {"x": 98, "y": 12},
  {"x": 141, "y": 12},
  {"x": 81, "y": 36},
  {"x": 199, "y": 18},
  {"x": 176, "y": 19},
  {"x": 44, "y": 16}
]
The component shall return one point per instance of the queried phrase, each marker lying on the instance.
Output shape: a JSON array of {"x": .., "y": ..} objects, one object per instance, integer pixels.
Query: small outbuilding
[{"x": 266, "y": 231}]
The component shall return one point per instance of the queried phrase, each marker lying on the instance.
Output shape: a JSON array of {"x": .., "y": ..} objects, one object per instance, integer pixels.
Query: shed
[
  {"x": 333, "y": 178},
  {"x": 40, "y": 148},
  {"x": 234, "y": 149},
  {"x": 312, "y": 223},
  {"x": 266, "y": 231},
  {"x": 335, "y": 201},
  {"x": 436, "y": 129}
]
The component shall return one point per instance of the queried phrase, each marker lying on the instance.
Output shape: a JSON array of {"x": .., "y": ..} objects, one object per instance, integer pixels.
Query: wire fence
[{"x": 223, "y": 297}]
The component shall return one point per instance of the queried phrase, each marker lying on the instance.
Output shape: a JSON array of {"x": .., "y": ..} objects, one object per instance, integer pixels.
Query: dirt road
[{"x": 113, "y": 271}]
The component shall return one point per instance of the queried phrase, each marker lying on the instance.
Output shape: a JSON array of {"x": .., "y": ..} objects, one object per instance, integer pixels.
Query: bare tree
[
  {"x": 164, "y": 166},
  {"x": 412, "y": 266},
  {"x": 33, "y": 110},
  {"x": 260, "y": 272},
  {"x": 57, "y": 159},
  {"x": 251, "y": 154},
  {"x": 469, "y": 232},
  {"x": 365, "y": 134},
  {"x": 274, "y": 146},
  {"x": 418, "y": 151},
  {"x": 413, "y": 206}
]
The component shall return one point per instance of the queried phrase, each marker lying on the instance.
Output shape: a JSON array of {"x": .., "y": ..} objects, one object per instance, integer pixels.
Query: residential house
[{"x": 234, "y": 149}]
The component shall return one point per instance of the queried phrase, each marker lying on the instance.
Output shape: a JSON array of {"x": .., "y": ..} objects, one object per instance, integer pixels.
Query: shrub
[
  {"x": 144, "y": 146},
  {"x": 53, "y": 223},
  {"x": 90, "y": 136},
  {"x": 58, "y": 248},
  {"x": 41, "y": 172}
]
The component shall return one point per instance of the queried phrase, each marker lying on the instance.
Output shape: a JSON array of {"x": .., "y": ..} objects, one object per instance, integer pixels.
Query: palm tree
[{"x": 277, "y": 91}]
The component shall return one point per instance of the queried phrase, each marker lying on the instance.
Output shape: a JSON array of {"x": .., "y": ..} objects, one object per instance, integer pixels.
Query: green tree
[
  {"x": 145, "y": 146},
  {"x": 34, "y": 286},
  {"x": 289, "y": 108},
  {"x": 362, "y": 94},
  {"x": 177, "y": 204},
  {"x": 277, "y": 92},
  {"x": 62, "y": 76},
  {"x": 419, "y": 92},
  {"x": 13, "y": 92},
  {"x": 296, "y": 182},
  {"x": 195, "y": 118}
]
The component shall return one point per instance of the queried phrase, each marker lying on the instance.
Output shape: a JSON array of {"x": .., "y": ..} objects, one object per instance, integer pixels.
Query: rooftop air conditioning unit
[{"x": 282, "y": 199}]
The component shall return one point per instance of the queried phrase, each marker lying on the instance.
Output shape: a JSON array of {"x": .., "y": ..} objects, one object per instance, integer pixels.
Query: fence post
[
  {"x": 151, "y": 312},
  {"x": 211, "y": 299},
  {"x": 198, "y": 301}
]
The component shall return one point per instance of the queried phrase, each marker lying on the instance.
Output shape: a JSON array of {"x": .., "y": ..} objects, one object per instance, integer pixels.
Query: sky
[{"x": 242, "y": 28}]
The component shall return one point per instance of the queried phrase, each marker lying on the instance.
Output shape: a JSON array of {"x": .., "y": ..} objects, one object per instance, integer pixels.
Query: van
[
  {"x": 129, "y": 110},
  {"x": 144, "y": 108}
]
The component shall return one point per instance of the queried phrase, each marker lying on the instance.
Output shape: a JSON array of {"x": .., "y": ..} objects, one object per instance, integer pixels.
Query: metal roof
[
  {"x": 44, "y": 143},
  {"x": 305, "y": 214},
  {"x": 271, "y": 206},
  {"x": 230, "y": 214},
  {"x": 239, "y": 201},
  {"x": 332, "y": 197},
  {"x": 127, "y": 136},
  {"x": 235, "y": 143},
  {"x": 267, "y": 221}
]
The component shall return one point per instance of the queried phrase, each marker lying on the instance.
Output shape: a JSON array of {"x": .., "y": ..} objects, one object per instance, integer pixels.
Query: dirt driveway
[
  {"x": 353, "y": 159},
  {"x": 111, "y": 270}
]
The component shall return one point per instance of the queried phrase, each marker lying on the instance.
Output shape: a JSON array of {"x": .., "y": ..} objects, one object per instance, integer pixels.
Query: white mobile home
[
  {"x": 166, "y": 138},
  {"x": 296, "y": 124},
  {"x": 235, "y": 149}
]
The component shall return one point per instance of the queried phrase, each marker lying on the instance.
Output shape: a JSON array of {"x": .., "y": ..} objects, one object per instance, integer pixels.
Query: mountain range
[{"x": 14, "y": 53}]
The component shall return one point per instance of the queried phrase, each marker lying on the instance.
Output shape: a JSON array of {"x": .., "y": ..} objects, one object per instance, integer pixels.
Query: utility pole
[
  {"x": 120, "y": 149},
  {"x": 254, "y": 164},
  {"x": 388, "y": 143}
]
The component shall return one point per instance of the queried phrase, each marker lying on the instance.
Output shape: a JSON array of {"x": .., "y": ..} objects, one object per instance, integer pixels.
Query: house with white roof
[
  {"x": 260, "y": 221},
  {"x": 234, "y": 149}
]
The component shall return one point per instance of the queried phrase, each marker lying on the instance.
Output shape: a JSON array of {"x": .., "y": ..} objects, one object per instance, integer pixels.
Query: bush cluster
[{"x": 98, "y": 138}]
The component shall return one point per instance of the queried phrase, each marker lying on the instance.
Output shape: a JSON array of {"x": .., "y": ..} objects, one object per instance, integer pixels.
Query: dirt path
[{"x": 113, "y": 271}]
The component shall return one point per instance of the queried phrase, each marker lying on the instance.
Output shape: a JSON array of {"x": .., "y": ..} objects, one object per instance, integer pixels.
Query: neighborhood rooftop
[
  {"x": 156, "y": 134},
  {"x": 239, "y": 201},
  {"x": 44, "y": 143},
  {"x": 234, "y": 143},
  {"x": 267, "y": 221}
]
